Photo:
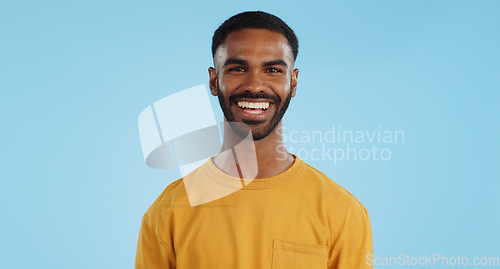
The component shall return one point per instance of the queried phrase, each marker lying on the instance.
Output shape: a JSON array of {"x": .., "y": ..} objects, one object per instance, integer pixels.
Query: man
[{"x": 288, "y": 214}]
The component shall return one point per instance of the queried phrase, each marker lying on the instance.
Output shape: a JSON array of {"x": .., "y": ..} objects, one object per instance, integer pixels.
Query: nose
[{"x": 254, "y": 82}]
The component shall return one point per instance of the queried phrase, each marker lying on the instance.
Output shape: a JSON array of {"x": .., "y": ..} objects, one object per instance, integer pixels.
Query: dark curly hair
[{"x": 255, "y": 20}]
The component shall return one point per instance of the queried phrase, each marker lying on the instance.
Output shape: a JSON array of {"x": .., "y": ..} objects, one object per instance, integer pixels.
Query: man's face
[{"x": 254, "y": 79}]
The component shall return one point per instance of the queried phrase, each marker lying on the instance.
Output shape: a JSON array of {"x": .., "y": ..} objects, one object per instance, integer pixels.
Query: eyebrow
[
  {"x": 275, "y": 62},
  {"x": 245, "y": 62},
  {"x": 235, "y": 61}
]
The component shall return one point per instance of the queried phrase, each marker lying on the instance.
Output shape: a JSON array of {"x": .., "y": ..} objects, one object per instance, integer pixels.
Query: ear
[
  {"x": 295, "y": 75},
  {"x": 213, "y": 80}
]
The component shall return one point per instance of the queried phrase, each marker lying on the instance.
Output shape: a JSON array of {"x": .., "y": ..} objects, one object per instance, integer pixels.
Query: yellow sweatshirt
[{"x": 297, "y": 219}]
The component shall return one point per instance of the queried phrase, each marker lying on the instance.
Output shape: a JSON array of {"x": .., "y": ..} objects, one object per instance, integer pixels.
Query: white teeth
[
  {"x": 257, "y": 105},
  {"x": 255, "y": 111}
]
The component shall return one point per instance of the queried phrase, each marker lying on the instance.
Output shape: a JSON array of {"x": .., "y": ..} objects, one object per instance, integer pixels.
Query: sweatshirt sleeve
[
  {"x": 354, "y": 244},
  {"x": 152, "y": 251}
]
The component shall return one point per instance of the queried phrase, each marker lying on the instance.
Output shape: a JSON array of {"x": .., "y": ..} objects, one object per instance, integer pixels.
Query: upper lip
[{"x": 254, "y": 100}]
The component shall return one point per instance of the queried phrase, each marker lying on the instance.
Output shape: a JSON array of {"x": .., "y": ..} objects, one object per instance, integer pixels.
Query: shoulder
[
  {"x": 173, "y": 196},
  {"x": 334, "y": 195},
  {"x": 343, "y": 212}
]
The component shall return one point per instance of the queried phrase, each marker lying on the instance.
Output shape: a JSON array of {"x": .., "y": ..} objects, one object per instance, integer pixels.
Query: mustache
[{"x": 250, "y": 95}]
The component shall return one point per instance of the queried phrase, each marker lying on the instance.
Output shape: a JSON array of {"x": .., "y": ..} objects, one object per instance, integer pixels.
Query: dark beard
[{"x": 243, "y": 132}]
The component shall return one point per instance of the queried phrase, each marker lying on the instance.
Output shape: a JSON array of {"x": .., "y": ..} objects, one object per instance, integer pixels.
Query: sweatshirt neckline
[{"x": 222, "y": 178}]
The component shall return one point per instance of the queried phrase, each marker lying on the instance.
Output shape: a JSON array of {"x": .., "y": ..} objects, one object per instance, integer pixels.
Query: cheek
[
  {"x": 225, "y": 88},
  {"x": 281, "y": 83},
  {"x": 229, "y": 84},
  {"x": 226, "y": 80}
]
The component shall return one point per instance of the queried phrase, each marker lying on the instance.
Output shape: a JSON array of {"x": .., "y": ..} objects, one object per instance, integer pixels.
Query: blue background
[{"x": 74, "y": 77}]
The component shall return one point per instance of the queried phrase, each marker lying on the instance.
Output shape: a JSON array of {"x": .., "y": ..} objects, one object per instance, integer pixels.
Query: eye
[
  {"x": 236, "y": 69},
  {"x": 273, "y": 70}
]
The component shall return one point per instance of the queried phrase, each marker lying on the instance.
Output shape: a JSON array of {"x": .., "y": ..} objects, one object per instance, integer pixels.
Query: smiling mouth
[{"x": 253, "y": 107}]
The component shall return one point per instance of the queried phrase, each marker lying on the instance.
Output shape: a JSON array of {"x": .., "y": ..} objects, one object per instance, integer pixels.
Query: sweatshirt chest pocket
[{"x": 295, "y": 255}]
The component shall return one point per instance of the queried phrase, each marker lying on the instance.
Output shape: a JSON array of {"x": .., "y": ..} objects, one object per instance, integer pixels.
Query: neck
[{"x": 246, "y": 158}]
